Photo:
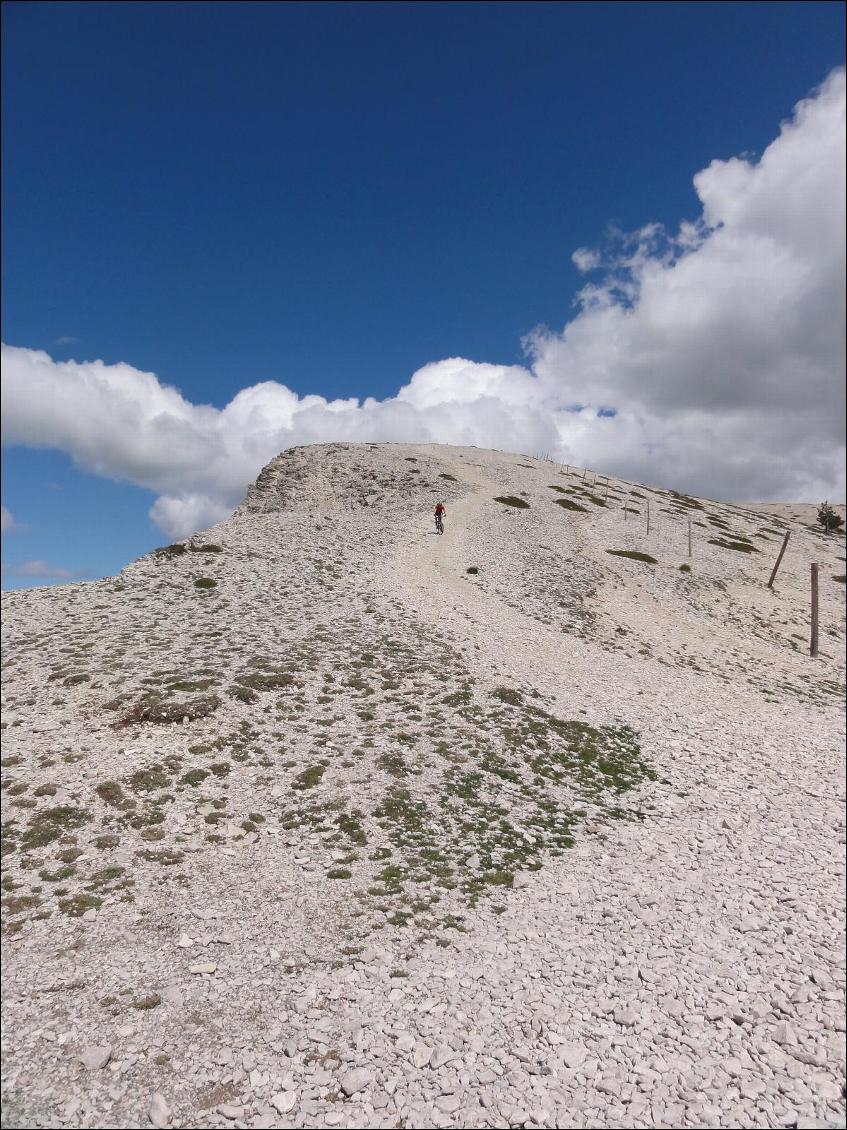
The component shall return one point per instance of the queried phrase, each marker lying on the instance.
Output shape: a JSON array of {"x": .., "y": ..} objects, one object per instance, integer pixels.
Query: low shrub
[
  {"x": 510, "y": 500},
  {"x": 205, "y": 583},
  {"x": 739, "y": 546},
  {"x": 633, "y": 555},
  {"x": 154, "y": 710},
  {"x": 569, "y": 504}
]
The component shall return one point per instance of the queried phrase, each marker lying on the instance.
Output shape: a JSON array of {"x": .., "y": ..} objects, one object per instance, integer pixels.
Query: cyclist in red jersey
[{"x": 440, "y": 511}]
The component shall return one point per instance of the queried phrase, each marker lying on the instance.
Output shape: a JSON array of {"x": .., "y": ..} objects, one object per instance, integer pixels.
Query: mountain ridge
[{"x": 307, "y": 766}]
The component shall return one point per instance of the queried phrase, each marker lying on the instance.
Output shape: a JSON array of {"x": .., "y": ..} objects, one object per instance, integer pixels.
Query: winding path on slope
[{"x": 433, "y": 579}]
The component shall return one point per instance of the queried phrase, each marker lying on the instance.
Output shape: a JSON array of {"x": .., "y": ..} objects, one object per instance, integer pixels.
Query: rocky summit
[{"x": 323, "y": 819}]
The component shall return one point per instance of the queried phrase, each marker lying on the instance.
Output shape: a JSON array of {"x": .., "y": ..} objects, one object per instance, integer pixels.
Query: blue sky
[{"x": 333, "y": 195}]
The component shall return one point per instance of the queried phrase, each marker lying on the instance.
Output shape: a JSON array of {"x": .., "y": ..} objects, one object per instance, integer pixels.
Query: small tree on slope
[{"x": 828, "y": 518}]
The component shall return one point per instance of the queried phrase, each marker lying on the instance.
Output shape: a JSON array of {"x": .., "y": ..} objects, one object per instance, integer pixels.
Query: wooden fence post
[
  {"x": 648, "y": 515},
  {"x": 584, "y": 473},
  {"x": 689, "y": 537},
  {"x": 813, "y": 645},
  {"x": 779, "y": 558}
]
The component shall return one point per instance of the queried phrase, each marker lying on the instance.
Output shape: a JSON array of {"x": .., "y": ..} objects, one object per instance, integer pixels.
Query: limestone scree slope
[{"x": 323, "y": 819}]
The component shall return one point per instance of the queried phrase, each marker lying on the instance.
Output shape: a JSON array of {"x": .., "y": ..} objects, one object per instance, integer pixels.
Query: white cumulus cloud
[
  {"x": 7, "y": 521},
  {"x": 42, "y": 570},
  {"x": 710, "y": 359}
]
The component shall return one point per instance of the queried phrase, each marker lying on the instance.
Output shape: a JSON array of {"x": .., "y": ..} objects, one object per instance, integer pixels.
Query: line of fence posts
[{"x": 813, "y": 642}]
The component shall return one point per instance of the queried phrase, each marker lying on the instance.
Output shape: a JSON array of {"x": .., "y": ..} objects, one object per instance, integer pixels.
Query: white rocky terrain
[{"x": 321, "y": 819}]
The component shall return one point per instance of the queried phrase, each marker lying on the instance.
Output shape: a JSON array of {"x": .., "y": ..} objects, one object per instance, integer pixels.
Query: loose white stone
[
  {"x": 356, "y": 1080},
  {"x": 625, "y": 1015},
  {"x": 441, "y": 1054},
  {"x": 573, "y": 1055},
  {"x": 95, "y": 1058},
  {"x": 448, "y": 1103},
  {"x": 159, "y": 1112},
  {"x": 285, "y": 1101}
]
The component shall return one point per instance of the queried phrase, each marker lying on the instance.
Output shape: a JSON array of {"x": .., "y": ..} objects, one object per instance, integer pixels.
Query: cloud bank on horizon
[
  {"x": 710, "y": 360},
  {"x": 43, "y": 570}
]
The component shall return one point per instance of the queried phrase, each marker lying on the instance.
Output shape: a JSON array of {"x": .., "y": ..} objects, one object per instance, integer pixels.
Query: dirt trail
[
  {"x": 433, "y": 575},
  {"x": 509, "y": 645}
]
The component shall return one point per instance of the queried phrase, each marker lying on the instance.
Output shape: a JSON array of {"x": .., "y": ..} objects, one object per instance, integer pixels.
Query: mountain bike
[{"x": 439, "y": 524}]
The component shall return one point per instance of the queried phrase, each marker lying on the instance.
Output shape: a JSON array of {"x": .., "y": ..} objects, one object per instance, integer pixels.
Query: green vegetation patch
[
  {"x": 472, "y": 569},
  {"x": 17, "y": 904},
  {"x": 243, "y": 694},
  {"x": 168, "y": 552},
  {"x": 188, "y": 686},
  {"x": 51, "y": 823},
  {"x": 267, "y": 680},
  {"x": 505, "y": 807},
  {"x": 111, "y": 793},
  {"x": 569, "y": 504},
  {"x": 76, "y": 905},
  {"x": 350, "y": 824},
  {"x": 309, "y": 778},
  {"x": 841, "y": 578},
  {"x": 451, "y": 478},
  {"x": 205, "y": 583},
  {"x": 154, "y": 709},
  {"x": 149, "y": 780},
  {"x": 210, "y": 548},
  {"x": 685, "y": 500},
  {"x": 738, "y": 546},
  {"x": 685, "y": 568},
  {"x": 75, "y": 680},
  {"x": 633, "y": 555},
  {"x": 511, "y": 500},
  {"x": 194, "y": 777},
  {"x": 153, "y": 1000}
]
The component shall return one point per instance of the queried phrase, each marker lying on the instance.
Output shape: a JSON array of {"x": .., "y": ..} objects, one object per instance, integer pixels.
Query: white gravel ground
[{"x": 556, "y": 843}]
